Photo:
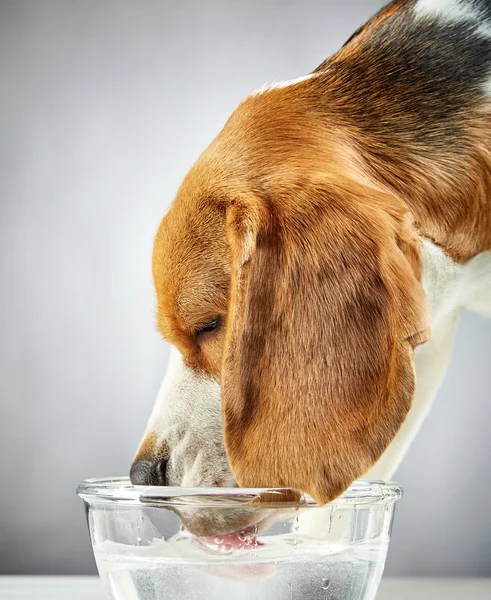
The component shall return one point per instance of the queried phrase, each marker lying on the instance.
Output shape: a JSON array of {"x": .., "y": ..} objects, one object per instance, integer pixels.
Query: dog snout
[{"x": 149, "y": 472}]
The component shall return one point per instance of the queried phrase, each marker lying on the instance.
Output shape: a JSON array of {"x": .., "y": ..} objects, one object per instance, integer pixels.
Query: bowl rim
[{"x": 119, "y": 490}]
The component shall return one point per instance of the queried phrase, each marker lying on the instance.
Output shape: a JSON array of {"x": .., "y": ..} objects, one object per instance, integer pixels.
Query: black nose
[{"x": 148, "y": 472}]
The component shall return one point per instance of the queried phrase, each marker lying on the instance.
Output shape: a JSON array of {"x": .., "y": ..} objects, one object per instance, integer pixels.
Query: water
[{"x": 279, "y": 567}]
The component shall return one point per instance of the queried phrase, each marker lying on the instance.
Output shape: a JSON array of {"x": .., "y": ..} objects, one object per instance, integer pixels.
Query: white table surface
[{"x": 89, "y": 588}]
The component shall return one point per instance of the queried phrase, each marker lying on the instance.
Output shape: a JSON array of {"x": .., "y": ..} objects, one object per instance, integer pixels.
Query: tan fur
[
  {"x": 151, "y": 450},
  {"x": 301, "y": 225}
]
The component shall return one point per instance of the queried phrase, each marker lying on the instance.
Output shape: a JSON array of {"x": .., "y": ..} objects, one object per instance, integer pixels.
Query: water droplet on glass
[
  {"x": 218, "y": 540},
  {"x": 325, "y": 584}
]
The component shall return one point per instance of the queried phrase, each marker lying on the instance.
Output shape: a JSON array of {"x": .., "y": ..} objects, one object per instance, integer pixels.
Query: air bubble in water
[
  {"x": 325, "y": 584},
  {"x": 296, "y": 527},
  {"x": 218, "y": 541}
]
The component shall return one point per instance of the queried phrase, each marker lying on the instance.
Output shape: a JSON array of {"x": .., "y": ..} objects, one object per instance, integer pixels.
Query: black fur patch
[{"x": 417, "y": 78}]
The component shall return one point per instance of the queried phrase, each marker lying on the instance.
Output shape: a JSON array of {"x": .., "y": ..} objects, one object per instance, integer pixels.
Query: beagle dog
[{"x": 311, "y": 271}]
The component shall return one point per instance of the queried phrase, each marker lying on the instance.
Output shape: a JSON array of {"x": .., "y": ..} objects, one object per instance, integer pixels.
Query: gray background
[{"x": 104, "y": 105}]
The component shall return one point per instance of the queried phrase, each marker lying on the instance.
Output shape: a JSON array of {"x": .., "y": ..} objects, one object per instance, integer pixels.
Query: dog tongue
[{"x": 231, "y": 541}]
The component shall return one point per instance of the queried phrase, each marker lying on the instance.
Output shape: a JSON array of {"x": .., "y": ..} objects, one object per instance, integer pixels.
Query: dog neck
[
  {"x": 425, "y": 139},
  {"x": 450, "y": 286}
]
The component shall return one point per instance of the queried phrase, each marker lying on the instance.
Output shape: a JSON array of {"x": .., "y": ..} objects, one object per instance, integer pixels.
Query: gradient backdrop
[{"x": 104, "y": 105}]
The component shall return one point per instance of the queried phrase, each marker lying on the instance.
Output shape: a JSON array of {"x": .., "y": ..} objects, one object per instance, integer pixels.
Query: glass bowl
[{"x": 171, "y": 543}]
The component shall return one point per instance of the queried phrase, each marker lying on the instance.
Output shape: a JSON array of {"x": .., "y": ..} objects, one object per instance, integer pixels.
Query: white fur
[
  {"x": 449, "y": 288},
  {"x": 283, "y": 84},
  {"x": 454, "y": 11},
  {"x": 187, "y": 417},
  {"x": 475, "y": 292},
  {"x": 442, "y": 279},
  {"x": 431, "y": 362},
  {"x": 447, "y": 10}
]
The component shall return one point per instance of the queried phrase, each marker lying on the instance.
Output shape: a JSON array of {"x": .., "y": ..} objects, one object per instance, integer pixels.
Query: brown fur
[
  {"x": 150, "y": 450},
  {"x": 435, "y": 158},
  {"x": 317, "y": 375},
  {"x": 301, "y": 225},
  {"x": 323, "y": 310}
]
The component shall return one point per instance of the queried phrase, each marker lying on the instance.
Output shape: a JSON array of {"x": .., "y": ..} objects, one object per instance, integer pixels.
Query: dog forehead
[
  {"x": 191, "y": 239},
  {"x": 191, "y": 264}
]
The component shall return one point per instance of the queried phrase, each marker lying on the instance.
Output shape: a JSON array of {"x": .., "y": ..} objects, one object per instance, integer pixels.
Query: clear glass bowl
[{"x": 171, "y": 543}]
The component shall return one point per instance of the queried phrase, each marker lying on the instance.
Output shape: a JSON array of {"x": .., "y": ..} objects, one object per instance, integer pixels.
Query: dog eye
[{"x": 210, "y": 326}]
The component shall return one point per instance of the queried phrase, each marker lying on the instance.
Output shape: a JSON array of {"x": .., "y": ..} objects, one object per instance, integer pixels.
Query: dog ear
[{"x": 326, "y": 308}]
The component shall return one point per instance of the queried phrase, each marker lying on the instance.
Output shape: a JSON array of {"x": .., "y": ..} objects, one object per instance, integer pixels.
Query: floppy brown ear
[{"x": 325, "y": 311}]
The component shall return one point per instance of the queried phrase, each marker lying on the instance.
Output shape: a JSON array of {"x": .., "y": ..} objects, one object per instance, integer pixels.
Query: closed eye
[{"x": 209, "y": 326}]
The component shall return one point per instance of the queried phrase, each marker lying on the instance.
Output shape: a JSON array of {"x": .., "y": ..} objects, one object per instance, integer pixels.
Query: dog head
[{"x": 289, "y": 285}]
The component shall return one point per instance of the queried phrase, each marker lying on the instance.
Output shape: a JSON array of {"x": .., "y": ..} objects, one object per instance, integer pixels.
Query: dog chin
[
  {"x": 257, "y": 515},
  {"x": 211, "y": 523}
]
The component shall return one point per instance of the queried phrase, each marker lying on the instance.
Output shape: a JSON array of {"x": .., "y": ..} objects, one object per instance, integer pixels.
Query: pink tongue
[
  {"x": 236, "y": 541},
  {"x": 231, "y": 541}
]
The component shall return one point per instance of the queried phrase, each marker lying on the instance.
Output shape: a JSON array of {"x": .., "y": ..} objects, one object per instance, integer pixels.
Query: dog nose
[{"x": 149, "y": 472}]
